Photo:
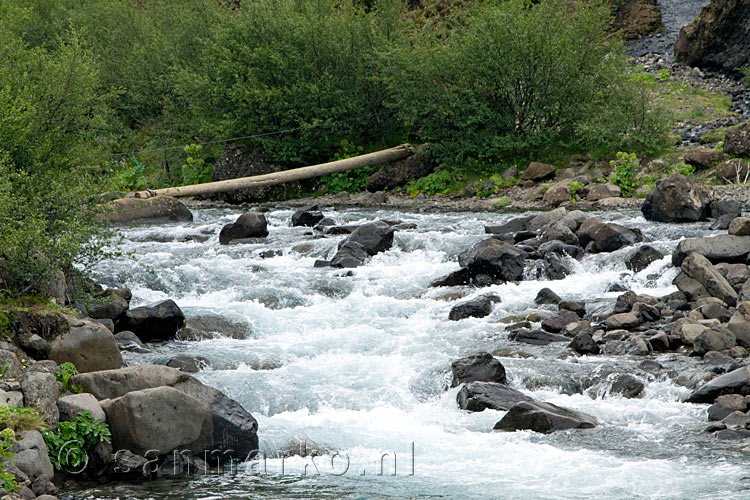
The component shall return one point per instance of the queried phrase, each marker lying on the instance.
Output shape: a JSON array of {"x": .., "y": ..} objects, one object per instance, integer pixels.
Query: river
[{"x": 356, "y": 367}]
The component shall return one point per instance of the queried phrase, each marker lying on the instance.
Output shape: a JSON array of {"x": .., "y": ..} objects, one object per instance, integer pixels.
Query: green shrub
[
  {"x": 195, "y": 170},
  {"x": 626, "y": 172},
  {"x": 63, "y": 374},
  {"x": 685, "y": 169},
  {"x": 502, "y": 203},
  {"x": 441, "y": 182},
  {"x": 69, "y": 444},
  {"x": 7, "y": 440},
  {"x": 19, "y": 419},
  {"x": 575, "y": 186}
]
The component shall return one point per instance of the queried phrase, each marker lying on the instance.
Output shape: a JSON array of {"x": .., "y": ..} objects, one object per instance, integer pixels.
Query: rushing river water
[{"x": 355, "y": 367}]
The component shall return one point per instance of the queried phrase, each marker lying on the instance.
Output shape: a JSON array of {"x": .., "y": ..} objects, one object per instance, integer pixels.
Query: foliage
[
  {"x": 19, "y": 419},
  {"x": 50, "y": 109},
  {"x": 442, "y": 181},
  {"x": 501, "y": 203},
  {"x": 626, "y": 172},
  {"x": 195, "y": 170},
  {"x": 575, "y": 186},
  {"x": 69, "y": 444},
  {"x": 351, "y": 181},
  {"x": 7, "y": 440},
  {"x": 746, "y": 78},
  {"x": 63, "y": 374},
  {"x": 685, "y": 169}
]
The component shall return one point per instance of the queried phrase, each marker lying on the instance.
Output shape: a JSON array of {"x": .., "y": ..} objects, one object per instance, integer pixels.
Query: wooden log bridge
[{"x": 293, "y": 175}]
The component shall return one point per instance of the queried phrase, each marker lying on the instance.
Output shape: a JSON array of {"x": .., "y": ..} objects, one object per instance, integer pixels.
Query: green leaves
[
  {"x": 626, "y": 172},
  {"x": 69, "y": 445},
  {"x": 63, "y": 374}
]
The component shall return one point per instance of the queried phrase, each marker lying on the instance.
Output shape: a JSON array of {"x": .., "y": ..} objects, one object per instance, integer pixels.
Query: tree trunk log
[{"x": 293, "y": 175}]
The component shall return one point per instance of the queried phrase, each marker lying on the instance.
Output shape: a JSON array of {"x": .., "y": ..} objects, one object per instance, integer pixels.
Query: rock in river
[
  {"x": 480, "y": 367},
  {"x": 543, "y": 417}
]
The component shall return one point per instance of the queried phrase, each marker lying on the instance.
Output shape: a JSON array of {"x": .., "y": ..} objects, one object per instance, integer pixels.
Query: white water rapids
[{"x": 358, "y": 366}]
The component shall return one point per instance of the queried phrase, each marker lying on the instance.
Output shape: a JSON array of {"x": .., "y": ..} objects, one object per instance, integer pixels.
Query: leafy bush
[
  {"x": 626, "y": 172},
  {"x": 439, "y": 182},
  {"x": 502, "y": 203},
  {"x": 63, "y": 374},
  {"x": 195, "y": 170},
  {"x": 19, "y": 419},
  {"x": 69, "y": 444},
  {"x": 575, "y": 186},
  {"x": 7, "y": 440}
]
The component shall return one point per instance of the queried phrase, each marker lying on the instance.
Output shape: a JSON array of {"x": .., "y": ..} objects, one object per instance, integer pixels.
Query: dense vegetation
[{"x": 301, "y": 81}]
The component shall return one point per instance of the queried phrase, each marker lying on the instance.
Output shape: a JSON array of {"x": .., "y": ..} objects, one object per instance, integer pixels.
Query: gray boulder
[
  {"x": 188, "y": 364},
  {"x": 153, "y": 322},
  {"x": 740, "y": 226},
  {"x": 480, "y": 367},
  {"x": 718, "y": 338},
  {"x": 537, "y": 171},
  {"x": 722, "y": 248},
  {"x": 723, "y": 384},
  {"x": 90, "y": 346},
  {"x": 32, "y": 458},
  {"x": 40, "y": 390},
  {"x": 699, "y": 268},
  {"x": 611, "y": 237},
  {"x": 72, "y": 405},
  {"x": 543, "y": 417},
  {"x": 109, "y": 305},
  {"x": 247, "y": 225},
  {"x": 479, "y": 396},
  {"x": 596, "y": 192},
  {"x": 154, "y": 210},
  {"x": 640, "y": 258},
  {"x": 739, "y": 324},
  {"x": 676, "y": 199},
  {"x": 536, "y": 337},
  {"x": 137, "y": 421},
  {"x": 478, "y": 307},
  {"x": 307, "y": 216},
  {"x": 495, "y": 259}
]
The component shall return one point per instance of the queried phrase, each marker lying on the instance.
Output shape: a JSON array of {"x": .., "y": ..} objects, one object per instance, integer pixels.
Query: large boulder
[
  {"x": 704, "y": 158},
  {"x": 676, "y": 199},
  {"x": 479, "y": 396},
  {"x": 722, "y": 248},
  {"x": 478, "y": 307},
  {"x": 734, "y": 171},
  {"x": 108, "y": 305},
  {"x": 32, "y": 458},
  {"x": 637, "y": 18},
  {"x": 480, "y": 367},
  {"x": 494, "y": 259},
  {"x": 640, "y": 258},
  {"x": 737, "y": 140},
  {"x": 611, "y": 237},
  {"x": 247, "y": 225},
  {"x": 538, "y": 171},
  {"x": 365, "y": 241},
  {"x": 596, "y": 192},
  {"x": 719, "y": 38},
  {"x": 239, "y": 161},
  {"x": 558, "y": 193},
  {"x": 514, "y": 225},
  {"x": 154, "y": 210},
  {"x": 718, "y": 338},
  {"x": 89, "y": 345},
  {"x": 153, "y": 322},
  {"x": 232, "y": 427},
  {"x": 398, "y": 173},
  {"x": 723, "y": 384},
  {"x": 73, "y": 404},
  {"x": 740, "y": 226},
  {"x": 138, "y": 419},
  {"x": 543, "y": 417},
  {"x": 40, "y": 391},
  {"x": 699, "y": 268},
  {"x": 739, "y": 324},
  {"x": 307, "y": 216}
]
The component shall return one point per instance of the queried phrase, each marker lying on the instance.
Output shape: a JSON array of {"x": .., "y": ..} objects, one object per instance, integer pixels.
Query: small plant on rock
[
  {"x": 63, "y": 374},
  {"x": 7, "y": 480},
  {"x": 69, "y": 445},
  {"x": 575, "y": 186}
]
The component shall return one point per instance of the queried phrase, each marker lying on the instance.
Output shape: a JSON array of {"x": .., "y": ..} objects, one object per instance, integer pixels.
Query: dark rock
[
  {"x": 637, "y": 18},
  {"x": 248, "y": 225},
  {"x": 499, "y": 261},
  {"x": 723, "y": 248},
  {"x": 547, "y": 296},
  {"x": 732, "y": 434},
  {"x": 480, "y": 367},
  {"x": 555, "y": 266},
  {"x": 523, "y": 236},
  {"x": 722, "y": 223},
  {"x": 560, "y": 248},
  {"x": 536, "y": 337},
  {"x": 307, "y": 216},
  {"x": 154, "y": 210},
  {"x": 537, "y": 171},
  {"x": 108, "y": 305},
  {"x": 574, "y": 305},
  {"x": 659, "y": 342},
  {"x": 561, "y": 233},
  {"x": 611, "y": 237},
  {"x": 543, "y": 417},
  {"x": 586, "y": 230},
  {"x": 725, "y": 405},
  {"x": 723, "y": 384},
  {"x": 350, "y": 254},
  {"x": 704, "y": 158},
  {"x": 512, "y": 226},
  {"x": 628, "y": 386},
  {"x": 676, "y": 199},
  {"x": 188, "y": 364},
  {"x": 559, "y": 321},
  {"x": 157, "y": 321},
  {"x": 583, "y": 343},
  {"x": 400, "y": 172},
  {"x": 646, "y": 312},
  {"x": 334, "y": 230},
  {"x": 479, "y": 396},
  {"x": 739, "y": 324},
  {"x": 456, "y": 278},
  {"x": 547, "y": 219},
  {"x": 239, "y": 161},
  {"x": 639, "y": 258},
  {"x": 478, "y": 307},
  {"x": 720, "y": 208},
  {"x": 737, "y": 140}
]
